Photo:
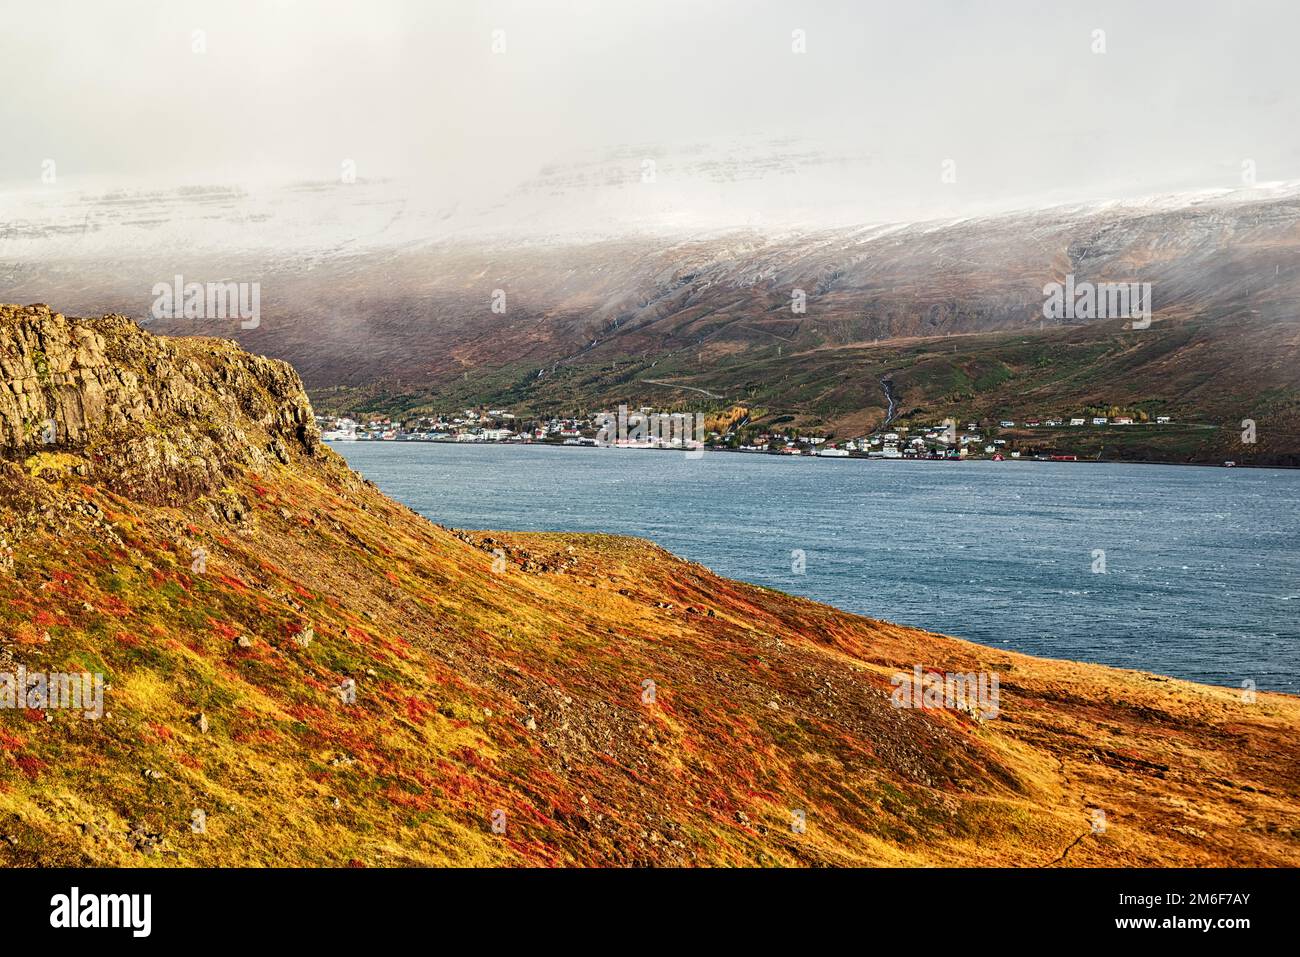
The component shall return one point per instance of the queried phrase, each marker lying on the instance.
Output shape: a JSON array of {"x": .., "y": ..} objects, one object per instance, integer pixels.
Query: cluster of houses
[
  {"x": 930, "y": 442},
  {"x": 946, "y": 440},
  {"x": 469, "y": 425},
  {"x": 1096, "y": 420}
]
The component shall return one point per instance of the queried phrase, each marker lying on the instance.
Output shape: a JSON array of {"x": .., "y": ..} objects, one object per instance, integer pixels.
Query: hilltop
[{"x": 332, "y": 679}]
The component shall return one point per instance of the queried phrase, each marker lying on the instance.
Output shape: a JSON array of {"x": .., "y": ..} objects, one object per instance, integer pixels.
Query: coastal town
[{"x": 995, "y": 440}]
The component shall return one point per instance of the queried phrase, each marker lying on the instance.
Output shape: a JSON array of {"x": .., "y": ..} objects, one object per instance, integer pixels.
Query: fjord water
[{"x": 1202, "y": 565}]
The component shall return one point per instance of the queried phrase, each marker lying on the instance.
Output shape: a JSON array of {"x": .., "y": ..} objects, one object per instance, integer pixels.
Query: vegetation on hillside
[
  {"x": 301, "y": 671},
  {"x": 1207, "y": 376}
]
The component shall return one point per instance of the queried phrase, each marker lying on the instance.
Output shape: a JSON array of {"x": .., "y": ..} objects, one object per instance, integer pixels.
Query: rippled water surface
[{"x": 1202, "y": 569}]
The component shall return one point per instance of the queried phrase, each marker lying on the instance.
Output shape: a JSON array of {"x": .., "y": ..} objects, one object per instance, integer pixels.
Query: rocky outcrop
[{"x": 160, "y": 419}]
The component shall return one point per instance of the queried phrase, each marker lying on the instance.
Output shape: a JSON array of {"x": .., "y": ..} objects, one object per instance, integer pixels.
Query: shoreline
[
  {"x": 1148, "y": 673},
  {"x": 852, "y": 457},
  {"x": 1012, "y": 635}
]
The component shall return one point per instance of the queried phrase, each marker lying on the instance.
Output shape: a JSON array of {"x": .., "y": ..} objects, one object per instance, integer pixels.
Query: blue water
[{"x": 1202, "y": 568}]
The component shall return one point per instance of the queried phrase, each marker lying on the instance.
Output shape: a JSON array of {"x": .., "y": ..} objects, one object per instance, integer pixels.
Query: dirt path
[{"x": 675, "y": 385}]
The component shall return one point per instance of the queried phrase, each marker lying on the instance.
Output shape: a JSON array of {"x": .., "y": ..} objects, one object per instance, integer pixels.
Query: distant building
[
  {"x": 1076, "y": 421},
  {"x": 1162, "y": 420},
  {"x": 1007, "y": 424},
  {"x": 1099, "y": 420}
]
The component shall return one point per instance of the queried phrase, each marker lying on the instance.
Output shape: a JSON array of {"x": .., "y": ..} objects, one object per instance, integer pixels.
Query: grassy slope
[
  {"x": 517, "y": 688},
  {"x": 765, "y": 703},
  {"x": 1207, "y": 375}
]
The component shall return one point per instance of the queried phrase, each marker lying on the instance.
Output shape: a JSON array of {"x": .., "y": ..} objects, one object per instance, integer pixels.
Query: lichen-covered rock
[{"x": 159, "y": 419}]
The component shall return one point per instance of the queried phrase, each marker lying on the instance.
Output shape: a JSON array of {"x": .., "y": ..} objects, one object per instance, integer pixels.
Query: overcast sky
[{"x": 1011, "y": 92}]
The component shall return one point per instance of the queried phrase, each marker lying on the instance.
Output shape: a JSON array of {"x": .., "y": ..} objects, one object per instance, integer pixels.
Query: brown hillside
[{"x": 185, "y": 534}]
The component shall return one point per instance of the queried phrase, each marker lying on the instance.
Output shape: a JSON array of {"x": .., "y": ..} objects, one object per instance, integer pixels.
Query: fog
[{"x": 889, "y": 112}]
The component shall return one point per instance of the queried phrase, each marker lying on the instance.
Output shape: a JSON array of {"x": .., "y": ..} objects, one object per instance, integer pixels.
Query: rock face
[{"x": 159, "y": 419}]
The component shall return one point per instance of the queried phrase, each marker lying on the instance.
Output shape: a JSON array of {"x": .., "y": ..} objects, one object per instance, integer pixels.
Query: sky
[{"x": 871, "y": 112}]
